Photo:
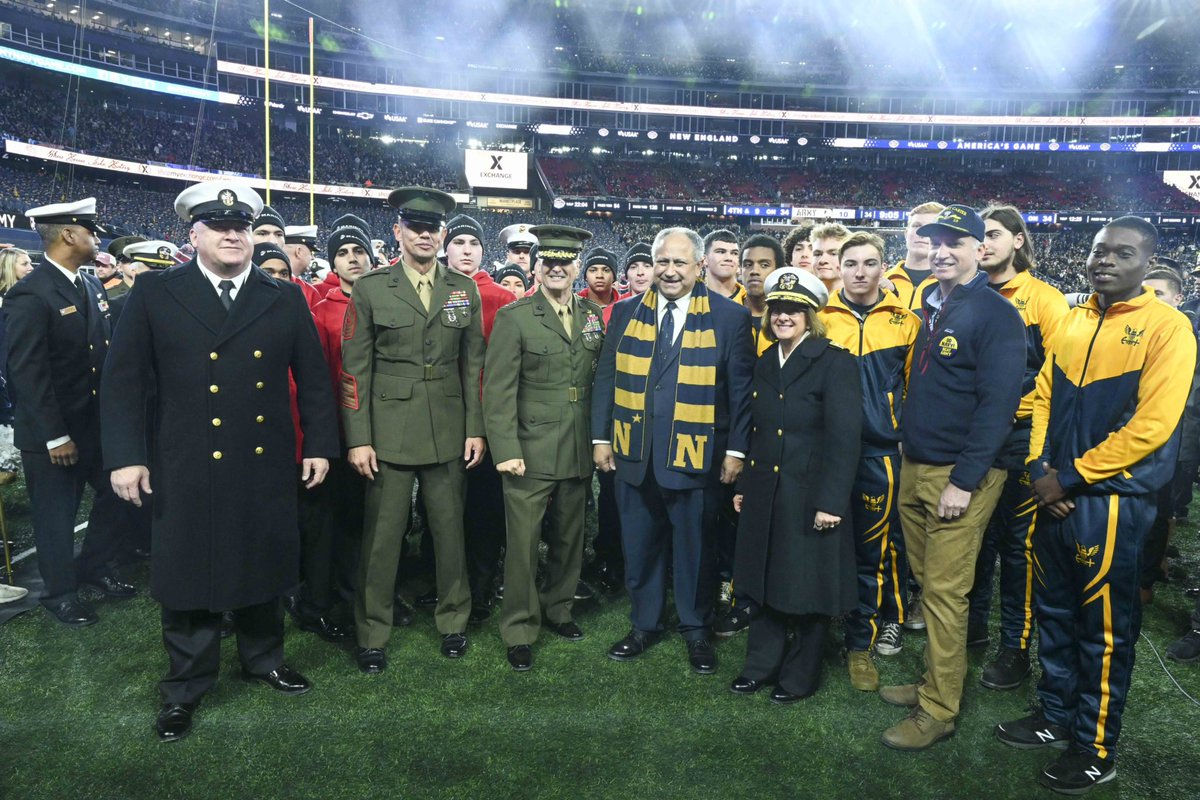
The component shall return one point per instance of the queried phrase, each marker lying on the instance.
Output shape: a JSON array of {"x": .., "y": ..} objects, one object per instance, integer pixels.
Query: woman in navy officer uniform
[{"x": 795, "y": 549}]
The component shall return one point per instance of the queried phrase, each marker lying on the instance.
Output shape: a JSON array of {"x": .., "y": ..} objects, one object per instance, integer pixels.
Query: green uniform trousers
[
  {"x": 942, "y": 556},
  {"x": 526, "y": 502},
  {"x": 389, "y": 498}
]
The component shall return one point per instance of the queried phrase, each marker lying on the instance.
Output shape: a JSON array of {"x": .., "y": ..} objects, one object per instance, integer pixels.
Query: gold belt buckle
[
  {"x": 429, "y": 372},
  {"x": 573, "y": 394}
]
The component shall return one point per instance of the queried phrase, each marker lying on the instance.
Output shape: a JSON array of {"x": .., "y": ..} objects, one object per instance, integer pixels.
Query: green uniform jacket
[
  {"x": 410, "y": 378},
  {"x": 537, "y": 387}
]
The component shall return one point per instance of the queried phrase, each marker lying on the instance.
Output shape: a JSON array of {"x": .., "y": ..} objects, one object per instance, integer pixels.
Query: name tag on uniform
[
  {"x": 68, "y": 310},
  {"x": 101, "y": 303}
]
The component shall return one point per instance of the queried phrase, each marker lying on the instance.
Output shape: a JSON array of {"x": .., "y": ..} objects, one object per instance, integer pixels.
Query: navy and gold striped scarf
[{"x": 692, "y": 428}]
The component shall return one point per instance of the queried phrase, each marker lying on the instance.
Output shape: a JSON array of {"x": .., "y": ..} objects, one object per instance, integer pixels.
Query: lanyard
[{"x": 931, "y": 324}]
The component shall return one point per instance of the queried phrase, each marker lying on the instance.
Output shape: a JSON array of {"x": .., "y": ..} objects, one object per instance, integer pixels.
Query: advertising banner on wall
[{"x": 497, "y": 169}]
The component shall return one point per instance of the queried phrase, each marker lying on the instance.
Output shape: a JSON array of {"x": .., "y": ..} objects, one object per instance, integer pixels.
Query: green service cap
[
  {"x": 420, "y": 204},
  {"x": 560, "y": 242}
]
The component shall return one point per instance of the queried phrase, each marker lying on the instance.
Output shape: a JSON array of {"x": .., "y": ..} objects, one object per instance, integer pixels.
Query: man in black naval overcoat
[{"x": 216, "y": 338}]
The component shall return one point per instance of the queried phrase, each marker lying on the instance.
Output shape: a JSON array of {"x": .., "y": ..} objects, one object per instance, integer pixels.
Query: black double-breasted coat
[
  {"x": 221, "y": 449},
  {"x": 804, "y": 449}
]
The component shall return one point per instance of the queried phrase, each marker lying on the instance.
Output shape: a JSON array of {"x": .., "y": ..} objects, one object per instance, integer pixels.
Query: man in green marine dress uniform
[
  {"x": 412, "y": 351},
  {"x": 537, "y": 401}
]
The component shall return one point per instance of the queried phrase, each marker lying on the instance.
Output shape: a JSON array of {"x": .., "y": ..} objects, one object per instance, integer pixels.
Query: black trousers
[
  {"x": 607, "y": 544},
  {"x": 193, "y": 643},
  {"x": 483, "y": 525},
  {"x": 331, "y": 523},
  {"x": 796, "y": 665},
  {"x": 54, "y": 495}
]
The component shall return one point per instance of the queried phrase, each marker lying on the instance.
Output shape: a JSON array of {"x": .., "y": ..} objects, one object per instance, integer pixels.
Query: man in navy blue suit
[{"x": 671, "y": 415}]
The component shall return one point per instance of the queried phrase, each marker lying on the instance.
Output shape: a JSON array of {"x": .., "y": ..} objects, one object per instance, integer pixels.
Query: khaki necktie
[
  {"x": 565, "y": 319},
  {"x": 425, "y": 292}
]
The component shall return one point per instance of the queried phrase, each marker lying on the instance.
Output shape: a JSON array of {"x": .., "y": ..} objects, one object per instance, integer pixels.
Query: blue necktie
[{"x": 666, "y": 331}]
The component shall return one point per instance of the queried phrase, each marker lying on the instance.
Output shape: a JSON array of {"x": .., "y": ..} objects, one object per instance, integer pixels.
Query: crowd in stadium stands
[
  {"x": 132, "y": 209},
  {"x": 233, "y": 141},
  {"x": 229, "y": 139},
  {"x": 832, "y": 182},
  {"x": 569, "y": 176}
]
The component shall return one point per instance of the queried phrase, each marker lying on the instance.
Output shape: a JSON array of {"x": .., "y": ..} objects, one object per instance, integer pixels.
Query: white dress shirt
[
  {"x": 679, "y": 317},
  {"x": 215, "y": 279}
]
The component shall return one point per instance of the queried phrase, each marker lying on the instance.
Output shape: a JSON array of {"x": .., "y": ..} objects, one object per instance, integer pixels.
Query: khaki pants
[{"x": 942, "y": 555}]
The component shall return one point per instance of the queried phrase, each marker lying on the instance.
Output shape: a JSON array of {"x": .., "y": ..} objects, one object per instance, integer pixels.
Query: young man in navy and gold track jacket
[
  {"x": 879, "y": 331},
  {"x": 1105, "y": 437}
]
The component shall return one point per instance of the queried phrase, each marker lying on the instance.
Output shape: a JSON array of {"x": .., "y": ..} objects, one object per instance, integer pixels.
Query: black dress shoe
[
  {"x": 567, "y": 630},
  {"x": 583, "y": 591},
  {"x": 282, "y": 679},
  {"x": 74, "y": 613},
  {"x": 427, "y": 600},
  {"x": 371, "y": 660},
  {"x": 783, "y": 697},
  {"x": 520, "y": 657},
  {"x": 743, "y": 685},
  {"x": 174, "y": 721},
  {"x": 142, "y": 553},
  {"x": 702, "y": 656},
  {"x": 634, "y": 644},
  {"x": 325, "y": 627},
  {"x": 454, "y": 645},
  {"x": 110, "y": 586},
  {"x": 402, "y": 613},
  {"x": 226, "y": 624}
]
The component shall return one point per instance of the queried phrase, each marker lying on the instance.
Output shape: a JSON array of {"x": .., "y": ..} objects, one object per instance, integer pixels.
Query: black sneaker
[
  {"x": 977, "y": 636},
  {"x": 733, "y": 621},
  {"x": 890, "y": 640},
  {"x": 1077, "y": 771},
  {"x": 583, "y": 591},
  {"x": 1033, "y": 732},
  {"x": 1185, "y": 649},
  {"x": 1010, "y": 667}
]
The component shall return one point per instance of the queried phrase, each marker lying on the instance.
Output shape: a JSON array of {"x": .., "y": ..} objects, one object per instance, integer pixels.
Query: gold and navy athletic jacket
[
  {"x": 1043, "y": 309},
  {"x": 1109, "y": 397},
  {"x": 882, "y": 343},
  {"x": 910, "y": 296},
  {"x": 761, "y": 342}
]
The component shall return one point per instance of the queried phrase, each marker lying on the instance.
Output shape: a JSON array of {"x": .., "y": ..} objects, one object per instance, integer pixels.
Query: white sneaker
[
  {"x": 10, "y": 593},
  {"x": 890, "y": 640}
]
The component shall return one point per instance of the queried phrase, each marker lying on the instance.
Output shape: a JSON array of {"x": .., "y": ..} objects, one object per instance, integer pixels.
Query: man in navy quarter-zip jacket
[{"x": 965, "y": 385}]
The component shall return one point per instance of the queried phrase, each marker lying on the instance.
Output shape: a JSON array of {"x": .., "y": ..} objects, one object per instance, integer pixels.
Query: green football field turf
[{"x": 77, "y": 709}]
